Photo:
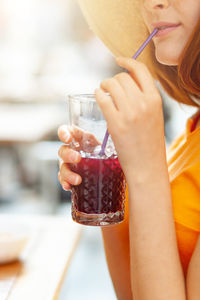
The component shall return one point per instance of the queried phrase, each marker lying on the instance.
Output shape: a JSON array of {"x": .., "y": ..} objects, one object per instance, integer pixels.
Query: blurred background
[{"x": 46, "y": 52}]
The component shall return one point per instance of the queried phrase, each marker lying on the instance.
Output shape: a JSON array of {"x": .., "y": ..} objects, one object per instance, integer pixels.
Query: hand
[
  {"x": 134, "y": 118},
  {"x": 81, "y": 141}
]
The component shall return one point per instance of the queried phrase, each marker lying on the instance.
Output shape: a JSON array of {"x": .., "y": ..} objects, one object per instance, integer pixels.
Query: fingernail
[{"x": 74, "y": 179}]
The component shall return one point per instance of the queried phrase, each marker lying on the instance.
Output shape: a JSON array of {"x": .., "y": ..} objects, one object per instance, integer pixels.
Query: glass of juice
[{"x": 99, "y": 199}]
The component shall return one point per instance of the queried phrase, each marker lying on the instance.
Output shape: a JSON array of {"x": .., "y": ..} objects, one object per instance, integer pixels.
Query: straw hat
[{"x": 118, "y": 23}]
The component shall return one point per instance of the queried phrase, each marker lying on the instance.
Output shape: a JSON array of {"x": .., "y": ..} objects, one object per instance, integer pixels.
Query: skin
[
  {"x": 149, "y": 266},
  {"x": 186, "y": 13}
]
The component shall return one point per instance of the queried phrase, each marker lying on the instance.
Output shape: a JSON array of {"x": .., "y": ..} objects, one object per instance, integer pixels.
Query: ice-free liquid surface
[{"x": 103, "y": 186}]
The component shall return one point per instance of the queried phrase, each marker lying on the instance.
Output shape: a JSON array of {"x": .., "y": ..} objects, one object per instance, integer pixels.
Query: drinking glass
[{"x": 99, "y": 199}]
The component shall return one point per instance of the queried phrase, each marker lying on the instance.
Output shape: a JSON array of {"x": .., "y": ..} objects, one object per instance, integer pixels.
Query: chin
[{"x": 169, "y": 59}]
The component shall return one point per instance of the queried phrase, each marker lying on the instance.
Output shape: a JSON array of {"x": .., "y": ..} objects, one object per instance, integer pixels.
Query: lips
[{"x": 164, "y": 28}]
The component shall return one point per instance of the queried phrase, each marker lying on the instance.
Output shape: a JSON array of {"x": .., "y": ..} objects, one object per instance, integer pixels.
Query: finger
[
  {"x": 64, "y": 134},
  {"x": 89, "y": 142},
  {"x": 106, "y": 104},
  {"x": 77, "y": 133},
  {"x": 115, "y": 90},
  {"x": 69, "y": 176},
  {"x": 83, "y": 137},
  {"x": 65, "y": 185},
  {"x": 130, "y": 87},
  {"x": 83, "y": 140},
  {"x": 60, "y": 162},
  {"x": 91, "y": 139},
  {"x": 68, "y": 155},
  {"x": 138, "y": 71}
]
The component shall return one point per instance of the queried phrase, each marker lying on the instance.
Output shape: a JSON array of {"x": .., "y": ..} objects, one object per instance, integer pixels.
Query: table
[{"x": 41, "y": 270}]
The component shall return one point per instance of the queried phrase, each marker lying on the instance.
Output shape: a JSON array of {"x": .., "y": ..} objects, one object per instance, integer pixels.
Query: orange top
[{"x": 183, "y": 157}]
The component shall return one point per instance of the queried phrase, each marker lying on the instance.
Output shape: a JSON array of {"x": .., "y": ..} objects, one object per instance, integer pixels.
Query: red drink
[{"x": 99, "y": 199}]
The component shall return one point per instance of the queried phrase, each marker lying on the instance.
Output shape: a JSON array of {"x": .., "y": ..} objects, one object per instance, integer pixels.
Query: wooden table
[{"x": 41, "y": 270}]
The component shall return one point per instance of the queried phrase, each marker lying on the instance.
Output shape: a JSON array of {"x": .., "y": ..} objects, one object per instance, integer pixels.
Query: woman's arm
[
  {"x": 116, "y": 245},
  {"x": 193, "y": 275},
  {"x": 156, "y": 271},
  {"x": 135, "y": 122},
  {"x": 153, "y": 240}
]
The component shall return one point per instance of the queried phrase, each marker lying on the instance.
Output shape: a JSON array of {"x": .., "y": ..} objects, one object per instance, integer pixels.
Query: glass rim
[{"x": 81, "y": 97}]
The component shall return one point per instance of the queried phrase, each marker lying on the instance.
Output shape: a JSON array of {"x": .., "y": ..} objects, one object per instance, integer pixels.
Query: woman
[{"x": 155, "y": 253}]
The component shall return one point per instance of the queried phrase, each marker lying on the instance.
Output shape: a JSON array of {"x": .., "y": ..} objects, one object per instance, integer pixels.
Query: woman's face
[{"x": 176, "y": 20}]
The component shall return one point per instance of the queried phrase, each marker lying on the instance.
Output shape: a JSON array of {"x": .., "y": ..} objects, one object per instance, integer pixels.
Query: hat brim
[{"x": 118, "y": 23}]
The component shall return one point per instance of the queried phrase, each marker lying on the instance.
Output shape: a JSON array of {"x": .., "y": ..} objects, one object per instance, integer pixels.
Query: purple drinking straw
[{"x": 102, "y": 152}]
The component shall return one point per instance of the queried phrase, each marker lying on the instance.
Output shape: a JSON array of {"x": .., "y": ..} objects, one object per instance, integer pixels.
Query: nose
[{"x": 156, "y": 4}]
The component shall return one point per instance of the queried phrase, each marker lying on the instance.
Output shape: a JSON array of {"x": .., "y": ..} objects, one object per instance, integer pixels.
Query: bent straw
[{"x": 138, "y": 52}]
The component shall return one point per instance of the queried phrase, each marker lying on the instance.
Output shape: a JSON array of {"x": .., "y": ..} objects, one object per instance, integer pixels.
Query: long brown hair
[{"x": 183, "y": 81}]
